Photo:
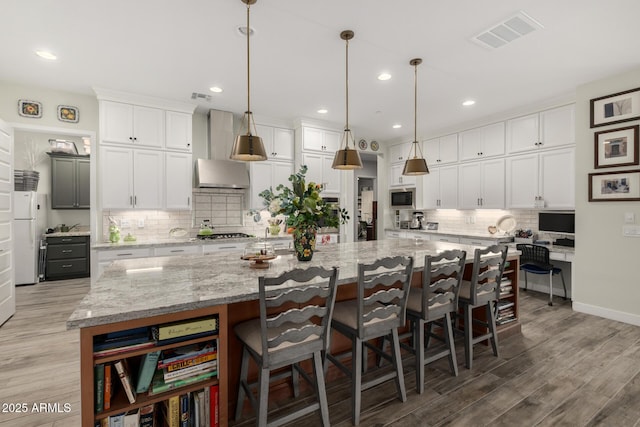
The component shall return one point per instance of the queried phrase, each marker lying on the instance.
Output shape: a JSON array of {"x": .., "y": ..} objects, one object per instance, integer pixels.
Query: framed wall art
[
  {"x": 616, "y": 108},
  {"x": 28, "y": 108},
  {"x": 614, "y": 186},
  {"x": 616, "y": 147},
  {"x": 67, "y": 113}
]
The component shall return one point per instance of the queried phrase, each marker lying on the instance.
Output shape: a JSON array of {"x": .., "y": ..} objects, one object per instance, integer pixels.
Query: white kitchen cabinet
[
  {"x": 265, "y": 175},
  {"x": 179, "y": 131},
  {"x": 399, "y": 180},
  {"x": 445, "y": 238},
  {"x": 476, "y": 242},
  {"x": 178, "y": 180},
  {"x": 417, "y": 236},
  {"x": 541, "y": 180},
  {"x": 440, "y": 189},
  {"x": 389, "y": 234},
  {"x": 482, "y": 142},
  {"x": 177, "y": 250},
  {"x": 443, "y": 150},
  {"x": 131, "y": 178},
  {"x": 321, "y": 172},
  {"x": 547, "y": 129},
  {"x": 106, "y": 257},
  {"x": 481, "y": 185},
  {"x": 316, "y": 139},
  {"x": 210, "y": 248},
  {"x": 122, "y": 123},
  {"x": 278, "y": 142},
  {"x": 399, "y": 153}
]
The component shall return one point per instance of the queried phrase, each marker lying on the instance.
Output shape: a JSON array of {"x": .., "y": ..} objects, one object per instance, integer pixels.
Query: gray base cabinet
[{"x": 67, "y": 257}]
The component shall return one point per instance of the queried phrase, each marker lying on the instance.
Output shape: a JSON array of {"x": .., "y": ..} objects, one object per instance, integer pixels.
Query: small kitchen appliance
[{"x": 416, "y": 222}]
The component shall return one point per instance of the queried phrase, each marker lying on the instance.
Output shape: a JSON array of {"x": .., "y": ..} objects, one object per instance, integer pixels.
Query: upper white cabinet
[
  {"x": 481, "y": 185},
  {"x": 178, "y": 180},
  {"x": 482, "y": 142},
  {"x": 441, "y": 150},
  {"x": 547, "y": 129},
  {"x": 399, "y": 180},
  {"x": 399, "y": 152},
  {"x": 315, "y": 139},
  {"x": 541, "y": 180},
  {"x": 278, "y": 142},
  {"x": 440, "y": 190},
  {"x": 265, "y": 175},
  {"x": 122, "y": 123},
  {"x": 131, "y": 178},
  {"x": 179, "y": 131},
  {"x": 321, "y": 172}
]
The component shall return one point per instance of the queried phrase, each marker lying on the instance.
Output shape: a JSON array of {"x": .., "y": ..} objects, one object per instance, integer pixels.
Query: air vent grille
[
  {"x": 507, "y": 31},
  {"x": 196, "y": 95}
]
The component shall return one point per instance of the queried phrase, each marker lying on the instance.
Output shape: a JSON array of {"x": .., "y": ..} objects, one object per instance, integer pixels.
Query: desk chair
[
  {"x": 433, "y": 303},
  {"x": 482, "y": 290},
  {"x": 378, "y": 311},
  {"x": 285, "y": 335},
  {"x": 535, "y": 259}
]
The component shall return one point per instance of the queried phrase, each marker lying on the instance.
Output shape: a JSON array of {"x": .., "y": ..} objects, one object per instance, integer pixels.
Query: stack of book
[
  {"x": 506, "y": 287},
  {"x": 185, "y": 365},
  {"x": 181, "y": 331},
  {"x": 505, "y": 312},
  {"x": 122, "y": 341},
  {"x": 194, "y": 409},
  {"x": 142, "y": 417}
]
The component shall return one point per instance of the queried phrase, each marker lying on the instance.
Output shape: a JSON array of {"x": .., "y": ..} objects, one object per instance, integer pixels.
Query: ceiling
[{"x": 170, "y": 49}]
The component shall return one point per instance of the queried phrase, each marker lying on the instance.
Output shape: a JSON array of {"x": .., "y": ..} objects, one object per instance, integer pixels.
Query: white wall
[{"x": 606, "y": 263}]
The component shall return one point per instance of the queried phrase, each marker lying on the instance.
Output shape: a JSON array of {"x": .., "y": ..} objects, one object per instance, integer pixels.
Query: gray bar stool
[
  {"x": 482, "y": 290},
  {"x": 535, "y": 259},
  {"x": 378, "y": 311},
  {"x": 293, "y": 326}
]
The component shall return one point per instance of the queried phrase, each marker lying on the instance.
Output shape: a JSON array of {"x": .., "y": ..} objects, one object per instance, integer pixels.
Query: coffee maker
[{"x": 416, "y": 222}]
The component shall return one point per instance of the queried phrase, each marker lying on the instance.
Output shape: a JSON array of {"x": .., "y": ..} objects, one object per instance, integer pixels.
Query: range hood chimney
[{"x": 219, "y": 172}]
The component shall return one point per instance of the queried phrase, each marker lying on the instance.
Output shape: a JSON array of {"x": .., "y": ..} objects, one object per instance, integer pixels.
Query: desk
[{"x": 560, "y": 256}]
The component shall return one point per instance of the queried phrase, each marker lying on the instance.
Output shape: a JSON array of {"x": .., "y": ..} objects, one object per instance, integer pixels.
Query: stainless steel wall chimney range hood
[{"x": 221, "y": 174}]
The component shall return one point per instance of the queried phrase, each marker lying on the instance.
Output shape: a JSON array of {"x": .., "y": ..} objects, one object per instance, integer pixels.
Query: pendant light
[
  {"x": 347, "y": 158},
  {"x": 248, "y": 147},
  {"x": 415, "y": 165}
]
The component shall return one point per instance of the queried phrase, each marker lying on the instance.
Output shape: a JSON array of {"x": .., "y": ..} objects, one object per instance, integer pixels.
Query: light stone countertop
[
  {"x": 68, "y": 234},
  {"x": 171, "y": 284},
  {"x": 486, "y": 236},
  {"x": 178, "y": 242}
]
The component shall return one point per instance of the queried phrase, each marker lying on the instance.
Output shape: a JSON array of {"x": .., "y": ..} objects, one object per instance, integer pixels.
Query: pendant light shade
[
  {"x": 248, "y": 147},
  {"x": 347, "y": 158},
  {"x": 415, "y": 165}
]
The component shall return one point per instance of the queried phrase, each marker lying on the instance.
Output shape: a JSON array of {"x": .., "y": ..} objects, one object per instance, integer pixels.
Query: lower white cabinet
[
  {"x": 178, "y": 180},
  {"x": 388, "y": 234},
  {"x": 131, "y": 178},
  {"x": 541, "y": 180},
  {"x": 264, "y": 175},
  {"x": 227, "y": 246},
  {"x": 177, "y": 250},
  {"x": 476, "y": 242},
  {"x": 448, "y": 239},
  {"x": 440, "y": 188},
  {"x": 481, "y": 185}
]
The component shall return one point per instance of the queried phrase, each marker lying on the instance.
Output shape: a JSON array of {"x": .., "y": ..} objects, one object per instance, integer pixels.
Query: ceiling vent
[
  {"x": 507, "y": 31},
  {"x": 205, "y": 97}
]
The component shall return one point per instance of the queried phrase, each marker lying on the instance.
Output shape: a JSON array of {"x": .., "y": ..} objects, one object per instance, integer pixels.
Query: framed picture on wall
[
  {"x": 67, "y": 113},
  {"x": 28, "y": 108},
  {"x": 616, "y": 108},
  {"x": 616, "y": 147},
  {"x": 614, "y": 186}
]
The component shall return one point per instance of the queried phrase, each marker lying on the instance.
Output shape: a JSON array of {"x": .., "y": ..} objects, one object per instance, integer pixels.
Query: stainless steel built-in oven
[{"x": 403, "y": 199}]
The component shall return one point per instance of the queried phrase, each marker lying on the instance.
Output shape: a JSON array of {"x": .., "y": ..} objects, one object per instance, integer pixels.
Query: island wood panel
[
  {"x": 280, "y": 390},
  {"x": 87, "y": 361}
]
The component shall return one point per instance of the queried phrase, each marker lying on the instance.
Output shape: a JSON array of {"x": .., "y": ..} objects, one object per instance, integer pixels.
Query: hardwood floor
[{"x": 567, "y": 369}]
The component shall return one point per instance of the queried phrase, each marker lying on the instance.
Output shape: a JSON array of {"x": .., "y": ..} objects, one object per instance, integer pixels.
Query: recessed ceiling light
[
  {"x": 215, "y": 89},
  {"x": 397, "y": 126},
  {"x": 323, "y": 111},
  {"x": 468, "y": 102},
  {"x": 46, "y": 54},
  {"x": 384, "y": 76}
]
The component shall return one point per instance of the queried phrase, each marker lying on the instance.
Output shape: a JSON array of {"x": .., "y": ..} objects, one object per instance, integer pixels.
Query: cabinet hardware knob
[
  {"x": 125, "y": 254},
  {"x": 67, "y": 251},
  {"x": 67, "y": 266},
  {"x": 130, "y": 138},
  {"x": 188, "y": 145},
  {"x": 135, "y": 139}
]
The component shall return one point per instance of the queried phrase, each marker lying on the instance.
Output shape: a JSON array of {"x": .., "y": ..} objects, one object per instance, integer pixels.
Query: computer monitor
[{"x": 557, "y": 222}]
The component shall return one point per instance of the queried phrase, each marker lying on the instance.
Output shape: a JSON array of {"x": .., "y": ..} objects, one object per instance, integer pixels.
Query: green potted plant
[{"x": 304, "y": 208}]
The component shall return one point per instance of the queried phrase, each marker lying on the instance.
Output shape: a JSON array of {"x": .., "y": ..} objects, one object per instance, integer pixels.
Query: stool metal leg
[
  {"x": 526, "y": 284},
  {"x": 551, "y": 287},
  {"x": 356, "y": 380},
  {"x": 468, "y": 336},
  {"x": 563, "y": 285},
  {"x": 397, "y": 362}
]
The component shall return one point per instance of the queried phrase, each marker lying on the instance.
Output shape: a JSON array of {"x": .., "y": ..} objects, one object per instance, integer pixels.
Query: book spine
[
  {"x": 147, "y": 369},
  {"x": 147, "y": 416},
  {"x": 98, "y": 382},
  {"x": 161, "y": 388},
  {"x": 108, "y": 387},
  {"x": 184, "y": 410},
  {"x": 125, "y": 378},
  {"x": 186, "y": 356},
  {"x": 215, "y": 416},
  {"x": 173, "y": 412},
  {"x": 191, "y": 361},
  {"x": 186, "y": 372},
  {"x": 187, "y": 328},
  {"x": 207, "y": 407}
]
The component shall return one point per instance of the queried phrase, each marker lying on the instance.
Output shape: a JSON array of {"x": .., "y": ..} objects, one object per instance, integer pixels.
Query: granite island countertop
[
  {"x": 486, "y": 236},
  {"x": 139, "y": 288},
  {"x": 181, "y": 241}
]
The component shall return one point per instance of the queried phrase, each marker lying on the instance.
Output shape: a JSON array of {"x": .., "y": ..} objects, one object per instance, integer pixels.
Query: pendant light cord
[
  {"x": 415, "y": 110},
  {"x": 248, "y": 67},
  {"x": 346, "y": 80}
]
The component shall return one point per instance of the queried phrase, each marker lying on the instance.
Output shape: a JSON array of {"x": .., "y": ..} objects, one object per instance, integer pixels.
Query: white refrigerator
[{"x": 28, "y": 221}]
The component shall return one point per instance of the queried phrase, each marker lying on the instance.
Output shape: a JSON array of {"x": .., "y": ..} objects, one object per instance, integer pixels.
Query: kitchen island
[{"x": 152, "y": 291}]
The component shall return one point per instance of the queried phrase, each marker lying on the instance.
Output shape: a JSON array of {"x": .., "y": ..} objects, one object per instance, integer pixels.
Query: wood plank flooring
[{"x": 566, "y": 369}]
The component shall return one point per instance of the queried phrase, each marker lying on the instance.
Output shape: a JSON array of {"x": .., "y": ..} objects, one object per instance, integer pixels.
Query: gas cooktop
[{"x": 217, "y": 236}]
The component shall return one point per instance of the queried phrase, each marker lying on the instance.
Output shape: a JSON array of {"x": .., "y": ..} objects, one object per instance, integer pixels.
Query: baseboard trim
[{"x": 618, "y": 316}]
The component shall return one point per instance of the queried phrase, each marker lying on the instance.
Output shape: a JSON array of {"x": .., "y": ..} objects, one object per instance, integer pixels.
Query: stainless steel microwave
[{"x": 403, "y": 199}]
